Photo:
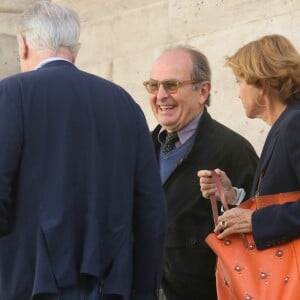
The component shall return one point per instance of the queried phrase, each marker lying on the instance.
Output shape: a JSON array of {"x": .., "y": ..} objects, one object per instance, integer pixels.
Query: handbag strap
[
  {"x": 213, "y": 199},
  {"x": 214, "y": 206}
]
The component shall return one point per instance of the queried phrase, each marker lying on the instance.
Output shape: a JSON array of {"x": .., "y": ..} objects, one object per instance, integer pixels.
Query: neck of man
[{"x": 36, "y": 56}]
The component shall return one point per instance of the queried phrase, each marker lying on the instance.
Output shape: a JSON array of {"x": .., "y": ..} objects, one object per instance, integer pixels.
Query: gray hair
[
  {"x": 201, "y": 70},
  {"x": 47, "y": 25}
]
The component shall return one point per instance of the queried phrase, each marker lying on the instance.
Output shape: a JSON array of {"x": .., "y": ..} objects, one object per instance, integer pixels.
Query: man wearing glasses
[{"x": 186, "y": 140}]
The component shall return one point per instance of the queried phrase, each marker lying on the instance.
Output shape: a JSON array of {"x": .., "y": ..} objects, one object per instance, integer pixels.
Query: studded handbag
[{"x": 245, "y": 273}]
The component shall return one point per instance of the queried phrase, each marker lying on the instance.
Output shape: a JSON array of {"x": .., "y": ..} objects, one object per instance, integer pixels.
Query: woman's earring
[{"x": 257, "y": 102}]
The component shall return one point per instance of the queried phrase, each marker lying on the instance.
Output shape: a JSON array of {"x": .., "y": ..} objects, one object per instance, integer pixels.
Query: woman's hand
[
  {"x": 235, "y": 220},
  {"x": 208, "y": 187}
]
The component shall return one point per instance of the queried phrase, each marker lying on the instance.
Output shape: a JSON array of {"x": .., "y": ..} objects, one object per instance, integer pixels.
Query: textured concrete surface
[{"x": 120, "y": 40}]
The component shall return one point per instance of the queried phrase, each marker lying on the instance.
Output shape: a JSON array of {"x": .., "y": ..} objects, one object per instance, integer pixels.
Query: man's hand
[{"x": 208, "y": 187}]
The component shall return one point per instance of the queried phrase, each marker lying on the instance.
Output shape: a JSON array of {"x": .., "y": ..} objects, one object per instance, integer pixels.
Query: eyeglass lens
[{"x": 170, "y": 86}]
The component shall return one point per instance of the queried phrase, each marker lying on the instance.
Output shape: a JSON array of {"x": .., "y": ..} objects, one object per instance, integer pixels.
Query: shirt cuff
[{"x": 240, "y": 195}]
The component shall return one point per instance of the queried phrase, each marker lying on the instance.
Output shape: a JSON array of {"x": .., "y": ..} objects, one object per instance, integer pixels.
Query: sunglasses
[{"x": 170, "y": 86}]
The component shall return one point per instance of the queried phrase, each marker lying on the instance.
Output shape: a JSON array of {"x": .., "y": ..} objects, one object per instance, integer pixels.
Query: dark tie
[{"x": 170, "y": 141}]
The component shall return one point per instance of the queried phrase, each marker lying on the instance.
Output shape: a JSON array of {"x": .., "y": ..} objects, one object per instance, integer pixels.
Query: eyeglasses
[{"x": 171, "y": 86}]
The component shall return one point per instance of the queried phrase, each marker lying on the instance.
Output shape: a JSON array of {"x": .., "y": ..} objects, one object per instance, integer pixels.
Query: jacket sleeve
[
  {"x": 11, "y": 133},
  {"x": 149, "y": 219}
]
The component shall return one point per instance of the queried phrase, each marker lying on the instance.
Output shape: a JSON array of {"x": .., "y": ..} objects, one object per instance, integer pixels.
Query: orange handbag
[{"x": 245, "y": 273}]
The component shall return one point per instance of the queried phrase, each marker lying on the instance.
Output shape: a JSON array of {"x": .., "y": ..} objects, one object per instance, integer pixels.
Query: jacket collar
[{"x": 270, "y": 143}]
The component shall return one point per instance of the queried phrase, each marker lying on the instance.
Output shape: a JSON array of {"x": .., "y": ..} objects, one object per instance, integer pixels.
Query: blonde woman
[{"x": 267, "y": 71}]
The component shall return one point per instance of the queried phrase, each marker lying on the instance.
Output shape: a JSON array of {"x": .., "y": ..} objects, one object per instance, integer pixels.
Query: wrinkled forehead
[{"x": 175, "y": 64}]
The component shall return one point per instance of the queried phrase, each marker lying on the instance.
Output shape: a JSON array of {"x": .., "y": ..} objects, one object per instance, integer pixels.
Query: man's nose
[{"x": 162, "y": 93}]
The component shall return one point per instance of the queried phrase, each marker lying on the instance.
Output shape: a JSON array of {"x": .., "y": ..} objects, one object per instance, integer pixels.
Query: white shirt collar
[{"x": 46, "y": 61}]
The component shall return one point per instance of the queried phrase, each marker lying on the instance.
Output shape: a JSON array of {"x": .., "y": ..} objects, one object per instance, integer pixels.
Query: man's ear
[
  {"x": 23, "y": 47},
  {"x": 76, "y": 52},
  {"x": 204, "y": 91}
]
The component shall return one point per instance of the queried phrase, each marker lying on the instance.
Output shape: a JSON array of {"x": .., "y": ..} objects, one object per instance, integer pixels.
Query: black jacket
[{"x": 189, "y": 264}]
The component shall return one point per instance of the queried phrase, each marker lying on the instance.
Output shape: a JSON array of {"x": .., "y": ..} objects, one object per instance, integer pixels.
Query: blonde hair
[{"x": 270, "y": 63}]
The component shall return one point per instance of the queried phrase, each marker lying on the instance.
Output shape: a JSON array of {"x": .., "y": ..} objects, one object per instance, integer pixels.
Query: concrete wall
[
  {"x": 120, "y": 40},
  {"x": 9, "y": 63}
]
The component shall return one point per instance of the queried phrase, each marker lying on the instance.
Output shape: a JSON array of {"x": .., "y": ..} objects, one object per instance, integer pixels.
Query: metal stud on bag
[
  {"x": 238, "y": 268},
  {"x": 263, "y": 275},
  {"x": 227, "y": 242},
  {"x": 286, "y": 279},
  {"x": 279, "y": 253},
  {"x": 251, "y": 246}
]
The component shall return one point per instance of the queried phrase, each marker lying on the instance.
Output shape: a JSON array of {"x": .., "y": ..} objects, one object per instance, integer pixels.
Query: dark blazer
[
  {"x": 189, "y": 264},
  {"x": 280, "y": 157},
  {"x": 79, "y": 186}
]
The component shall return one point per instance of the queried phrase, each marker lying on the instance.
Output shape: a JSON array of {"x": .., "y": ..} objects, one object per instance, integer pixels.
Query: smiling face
[{"x": 174, "y": 111}]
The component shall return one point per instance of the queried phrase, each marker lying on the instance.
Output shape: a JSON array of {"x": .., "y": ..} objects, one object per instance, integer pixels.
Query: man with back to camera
[
  {"x": 78, "y": 217},
  {"x": 188, "y": 139}
]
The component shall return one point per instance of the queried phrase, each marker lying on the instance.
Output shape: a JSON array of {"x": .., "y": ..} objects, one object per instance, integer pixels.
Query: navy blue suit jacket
[
  {"x": 80, "y": 190},
  {"x": 276, "y": 224}
]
